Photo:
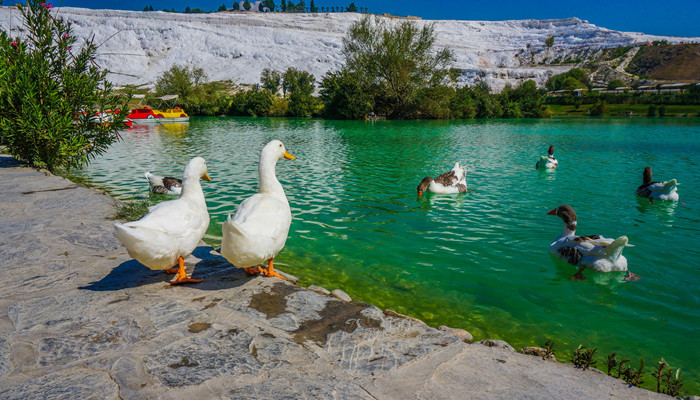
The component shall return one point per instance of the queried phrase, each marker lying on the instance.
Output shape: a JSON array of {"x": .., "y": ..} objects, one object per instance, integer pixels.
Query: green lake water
[{"x": 477, "y": 261}]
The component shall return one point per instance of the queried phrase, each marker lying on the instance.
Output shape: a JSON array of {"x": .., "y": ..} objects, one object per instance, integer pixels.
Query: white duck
[
  {"x": 258, "y": 229},
  {"x": 592, "y": 251},
  {"x": 172, "y": 229},
  {"x": 448, "y": 183},
  {"x": 164, "y": 184},
  {"x": 657, "y": 190},
  {"x": 548, "y": 161}
]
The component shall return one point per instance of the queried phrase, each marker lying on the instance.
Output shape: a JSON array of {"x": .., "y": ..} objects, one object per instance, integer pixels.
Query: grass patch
[
  {"x": 614, "y": 110},
  {"x": 619, "y": 52},
  {"x": 131, "y": 210}
]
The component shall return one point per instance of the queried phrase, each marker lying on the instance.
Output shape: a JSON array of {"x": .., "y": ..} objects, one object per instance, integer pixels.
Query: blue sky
[{"x": 665, "y": 17}]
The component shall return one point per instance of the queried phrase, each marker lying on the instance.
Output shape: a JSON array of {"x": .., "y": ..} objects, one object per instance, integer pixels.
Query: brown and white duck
[
  {"x": 594, "y": 252},
  {"x": 448, "y": 183},
  {"x": 657, "y": 190},
  {"x": 164, "y": 184}
]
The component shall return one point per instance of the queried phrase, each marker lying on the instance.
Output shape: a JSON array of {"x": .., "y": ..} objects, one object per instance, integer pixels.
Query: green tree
[
  {"x": 270, "y": 4},
  {"x": 188, "y": 10},
  {"x": 462, "y": 104},
  {"x": 222, "y": 7},
  {"x": 185, "y": 81},
  {"x": 283, "y": 6},
  {"x": 487, "y": 106},
  {"x": 235, "y": 6},
  {"x": 529, "y": 99},
  {"x": 300, "y": 6},
  {"x": 352, "y": 8},
  {"x": 652, "y": 111},
  {"x": 558, "y": 82},
  {"x": 571, "y": 83},
  {"x": 300, "y": 86},
  {"x": 51, "y": 91},
  {"x": 399, "y": 59},
  {"x": 346, "y": 95},
  {"x": 246, "y": 5},
  {"x": 549, "y": 42},
  {"x": 270, "y": 80},
  {"x": 313, "y": 7},
  {"x": 599, "y": 108}
]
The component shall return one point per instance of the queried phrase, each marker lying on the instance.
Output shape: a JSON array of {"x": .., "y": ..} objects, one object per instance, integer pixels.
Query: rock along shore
[{"x": 79, "y": 319}]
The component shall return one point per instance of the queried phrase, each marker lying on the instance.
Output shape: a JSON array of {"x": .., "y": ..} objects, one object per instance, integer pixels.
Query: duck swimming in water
[
  {"x": 448, "y": 183},
  {"x": 548, "y": 161},
  {"x": 594, "y": 252},
  {"x": 657, "y": 190},
  {"x": 164, "y": 184}
]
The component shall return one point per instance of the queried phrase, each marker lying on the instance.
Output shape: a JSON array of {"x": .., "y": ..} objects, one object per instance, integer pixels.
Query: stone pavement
[{"x": 79, "y": 319}]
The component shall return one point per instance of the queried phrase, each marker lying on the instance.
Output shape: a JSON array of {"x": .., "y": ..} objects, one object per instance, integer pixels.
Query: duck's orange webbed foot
[
  {"x": 271, "y": 271},
  {"x": 181, "y": 276},
  {"x": 253, "y": 270}
]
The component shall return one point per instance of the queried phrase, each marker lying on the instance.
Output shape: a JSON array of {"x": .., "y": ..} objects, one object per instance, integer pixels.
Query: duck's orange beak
[
  {"x": 552, "y": 212},
  {"x": 206, "y": 178},
  {"x": 420, "y": 194},
  {"x": 289, "y": 156}
]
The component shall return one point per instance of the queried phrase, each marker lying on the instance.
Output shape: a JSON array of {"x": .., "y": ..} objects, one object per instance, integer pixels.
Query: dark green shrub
[
  {"x": 652, "y": 111},
  {"x": 583, "y": 357},
  {"x": 346, "y": 95},
  {"x": 599, "y": 108},
  {"x": 51, "y": 92}
]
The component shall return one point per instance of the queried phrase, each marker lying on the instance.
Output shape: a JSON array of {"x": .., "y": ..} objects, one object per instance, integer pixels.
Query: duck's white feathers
[
  {"x": 660, "y": 190},
  {"x": 171, "y": 229},
  {"x": 257, "y": 231},
  {"x": 450, "y": 182},
  {"x": 167, "y": 232},
  {"x": 164, "y": 184},
  {"x": 546, "y": 162},
  {"x": 594, "y": 252}
]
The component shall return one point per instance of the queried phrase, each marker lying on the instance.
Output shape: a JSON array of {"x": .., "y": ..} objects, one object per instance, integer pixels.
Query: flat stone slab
[{"x": 79, "y": 319}]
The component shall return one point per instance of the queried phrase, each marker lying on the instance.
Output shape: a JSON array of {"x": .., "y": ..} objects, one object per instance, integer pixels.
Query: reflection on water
[
  {"x": 478, "y": 260},
  {"x": 664, "y": 209}
]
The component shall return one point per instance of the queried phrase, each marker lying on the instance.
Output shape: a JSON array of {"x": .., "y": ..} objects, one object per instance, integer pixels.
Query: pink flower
[
  {"x": 47, "y": 6},
  {"x": 65, "y": 35},
  {"x": 14, "y": 43}
]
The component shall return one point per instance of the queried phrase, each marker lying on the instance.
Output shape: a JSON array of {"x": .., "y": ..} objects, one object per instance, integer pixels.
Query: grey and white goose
[
  {"x": 548, "y": 161},
  {"x": 594, "y": 252},
  {"x": 164, "y": 184},
  {"x": 657, "y": 190}
]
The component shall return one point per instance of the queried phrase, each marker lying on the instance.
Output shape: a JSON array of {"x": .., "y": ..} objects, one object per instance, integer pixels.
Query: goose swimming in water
[
  {"x": 448, "y": 183},
  {"x": 164, "y": 184},
  {"x": 548, "y": 161},
  {"x": 657, "y": 190},
  {"x": 591, "y": 251}
]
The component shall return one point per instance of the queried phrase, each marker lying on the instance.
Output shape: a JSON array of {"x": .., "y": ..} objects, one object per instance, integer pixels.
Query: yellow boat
[{"x": 174, "y": 114}]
